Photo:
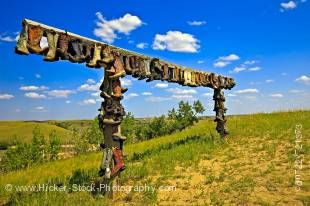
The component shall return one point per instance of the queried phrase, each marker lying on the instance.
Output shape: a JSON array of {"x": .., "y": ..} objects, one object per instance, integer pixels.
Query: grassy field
[
  {"x": 255, "y": 166},
  {"x": 11, "y": 131}
]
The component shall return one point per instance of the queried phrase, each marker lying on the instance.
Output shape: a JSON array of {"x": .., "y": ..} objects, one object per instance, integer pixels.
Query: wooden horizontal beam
[{"x": 120, "y": 50}]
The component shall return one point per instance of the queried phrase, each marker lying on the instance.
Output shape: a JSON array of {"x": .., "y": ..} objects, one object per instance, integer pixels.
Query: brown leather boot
[
  {"x": 62, "y": 46},
  {"x": 35, "y": 34},
  {"x": 165, "y": 72},
  {"x": 119, "y": 164},
  {"x": 21, "y": 45},
  {"x": 127, "y": 66},
  {"x": 52, "y": 39},
  {"x": 118, "y": 67},
  {"x": 117, "y": 89}
]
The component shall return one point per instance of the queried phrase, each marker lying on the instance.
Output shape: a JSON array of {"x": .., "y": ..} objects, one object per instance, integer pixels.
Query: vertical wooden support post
[
  {"x": 110, "y": 118},
  {"x": 220, "y": 111}
]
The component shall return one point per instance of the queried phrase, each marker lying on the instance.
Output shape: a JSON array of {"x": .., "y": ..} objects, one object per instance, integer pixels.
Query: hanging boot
[
  {"x": 147, "y": 63},
  {"x": 76, "y": 51},
  {"x": 127, "y": 66},
  {"x": 21, "y": 45},
  {"x": 105, "y": 163},
  {"x": 107, "y": 58},
  {"x": 96, "y": 57},
  {"x": 87, "y": 51},
  {"x": 165, "y": 72},
  {"x": 117, "y": 89},
  {"x": 35, "y": 34},
  {"x": 142, "y": 69},
  {"x": 52, "y": 39},
  {"x": 119, "y": 134},
  {"x": 118, "y": 161},
  {"x": 119, "y": 68},
  {"x": 62, "y": 46}
]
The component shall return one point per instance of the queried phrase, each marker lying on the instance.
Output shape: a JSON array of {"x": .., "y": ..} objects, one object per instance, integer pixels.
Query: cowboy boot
[
  {"x": 147, "y": 64},
  {"x": 52, "y": 39},
  {"x": 127, "y": 66},
  {"x": 110, "y": 121},
  {"x": 118, "y": 133},
  {"x": 154, "y": 64},
  {"x": 108, "y": 58},
  {"x": 117, "y": 89},
  {"x": 119, "y": 68},
  {"x": 62, "y": 46},
  {"x": 76, "y": 54},
  {"x": 182, "y": 79},
  {"x": 105, "y": 163},
  {"x": 132, "y": 64},
  {"x": 165, "y": 69},
  {"x": 137, "y": 67},
  {"x": 21, "y": 45},
  {"x": 35, "y": 34},
  {"x": 87, "y": 51},
  {"x": 118, "y": 161},
  {"x": 142, "y": 69},
  {"x": 194, "y": 84},
  {"x": 96, "y": 57},
  {"x": 174, "y": 74}
]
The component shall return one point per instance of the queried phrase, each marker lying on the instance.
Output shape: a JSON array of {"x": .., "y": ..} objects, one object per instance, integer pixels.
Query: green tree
[
  {"x": 128, "y": 126},
  {"x": 54, "y": 145},
  {"x": 37, "y": 145},
  {"x": 94, "y": 134}
]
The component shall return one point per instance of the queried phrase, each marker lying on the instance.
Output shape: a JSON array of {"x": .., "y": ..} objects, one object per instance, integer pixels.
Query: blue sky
[{"x": 264, "y": 45}]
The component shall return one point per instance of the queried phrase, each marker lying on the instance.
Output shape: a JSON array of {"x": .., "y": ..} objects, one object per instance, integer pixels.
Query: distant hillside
[{"x": 11, "y": 131}]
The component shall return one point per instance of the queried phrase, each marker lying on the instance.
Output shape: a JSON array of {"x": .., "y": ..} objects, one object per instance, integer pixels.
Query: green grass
[
  {"x": 155, "y": 161},
  {"x": 11, "y": 131}
]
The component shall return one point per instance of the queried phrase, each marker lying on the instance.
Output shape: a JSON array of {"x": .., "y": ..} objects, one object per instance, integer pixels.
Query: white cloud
[
  {"x": 196, "y": 23},
  {"x": 6, "y": 96},
  {"x": 95, "y": 94},
  {"x": 231, "y": 57},
  {"x": 33, "y": 88},
  {"x": 68, "y": 102},
  {"x": 60, "y": 93},
  {"x": 131, "y": 95},
  {"x": 182, "y": 91},
  {"x": 303, "y": 79},
  {"x": 277, "y": 95},
  {"x": 40, "y": 108},
  {"x": 88, "y": 102},
  {"x": 142, "y": 45},
  {"x": 250, "y": 62},
  {"x": 126, "y": 82},
  {"x": 254, "y": 69},
  {"x": 220, "y": 64},
  {"x": 269, "y": 81},
  {"x": 146, "y": 93},
  {"x": 90, "y": 81},
  {"x": 106, "y": 30},
  {"x": 283, "y": 74},
  {"x": 238, "y": 69},
  {"x": 231, "y": 95},
  {"x": 200, "y": 62},
  {"x": 251, "y": 97},
  {"x": 38, "y": 76},
  {"x": 161, "y": 85},
  {"x": 176, "y": 41},
  {"x": 89, "y": 87},
  {"x": 295, "y": 91},
  {"x": 246, "y": 91},
  {"x": 208, "y": 94},
  {"x": 35, "y": 95},
  {"x": 8, "y": 38},
  {"x": 182, "y": 96},
  {"x": 288, "y": 6},
  {"x": 157, "y": 99}
]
